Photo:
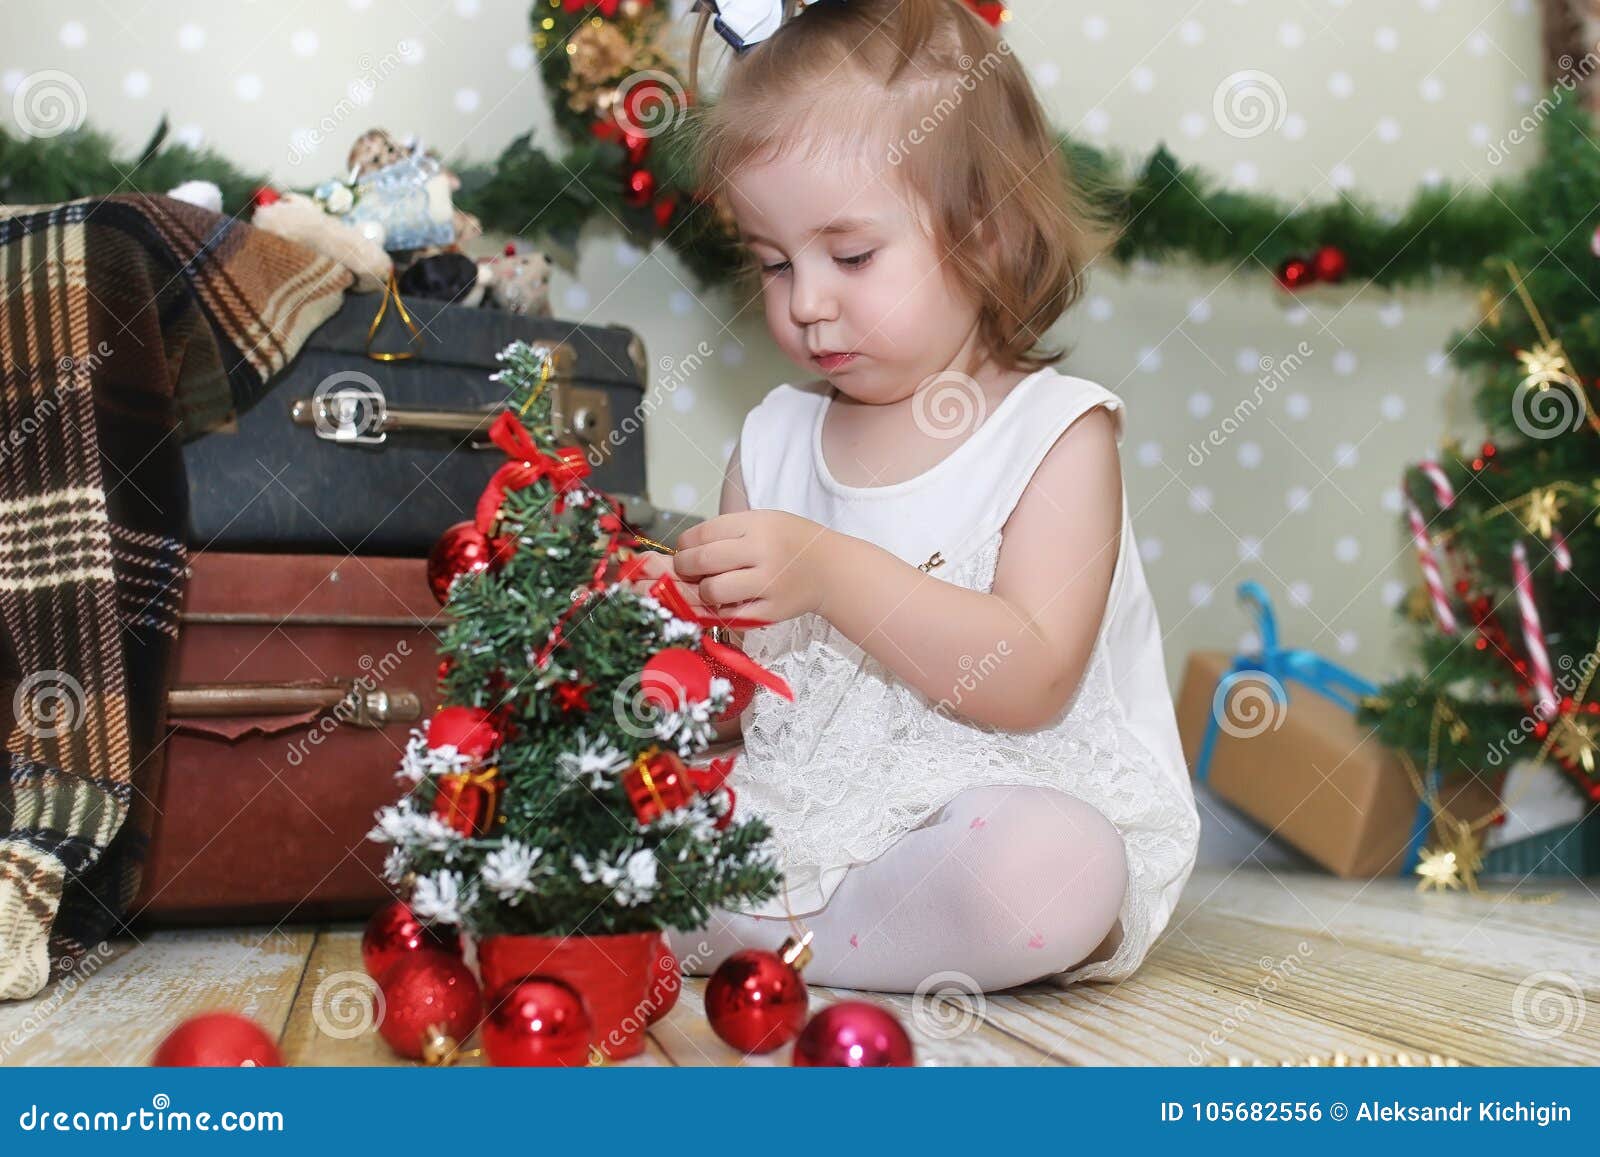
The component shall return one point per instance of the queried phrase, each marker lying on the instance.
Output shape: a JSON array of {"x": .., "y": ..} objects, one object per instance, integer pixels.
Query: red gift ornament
[
  {"x": 466, "y": 800},
  {"x": 425, "y": 997},
  {"x": 394, "y": 931},
  {"x": 756, "y": 1000},
  {"x": 853, "y": 1034},
  {"x": 659, "y": 782},
  {"x": 218, "y": 1039}
]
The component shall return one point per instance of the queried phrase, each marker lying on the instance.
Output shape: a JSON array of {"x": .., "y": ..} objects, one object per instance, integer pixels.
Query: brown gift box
[{"x": 1318, "y": 780}]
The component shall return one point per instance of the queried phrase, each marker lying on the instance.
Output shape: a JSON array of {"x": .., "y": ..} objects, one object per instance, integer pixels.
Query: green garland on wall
[{"x": 1169, "y": 210}]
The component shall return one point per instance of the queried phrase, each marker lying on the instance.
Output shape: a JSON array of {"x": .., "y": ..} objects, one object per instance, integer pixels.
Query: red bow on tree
[
  {"x": 665, "y": 591},
  {"x": 566, "y": 469},
  {"x": 608, "y": 8}
]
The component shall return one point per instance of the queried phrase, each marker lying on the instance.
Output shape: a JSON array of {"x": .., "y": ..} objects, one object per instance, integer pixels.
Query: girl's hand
[
  {"x": 654, "y": 564},
  {"x": 759, "y": 564}
]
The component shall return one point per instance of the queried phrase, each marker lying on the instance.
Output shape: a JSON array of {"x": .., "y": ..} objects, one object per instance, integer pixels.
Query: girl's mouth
[{"x": 833, "y": 361}]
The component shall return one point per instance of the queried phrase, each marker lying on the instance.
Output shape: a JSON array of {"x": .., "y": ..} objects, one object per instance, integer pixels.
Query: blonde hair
[{"x": 938, "y": 90}]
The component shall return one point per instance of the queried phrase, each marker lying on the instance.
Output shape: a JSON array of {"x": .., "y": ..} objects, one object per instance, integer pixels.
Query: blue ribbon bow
[{"x": 1327, "y": 678}]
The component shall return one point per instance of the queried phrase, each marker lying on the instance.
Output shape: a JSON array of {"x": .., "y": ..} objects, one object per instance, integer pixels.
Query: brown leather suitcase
[{"x": 297, "y": 681}]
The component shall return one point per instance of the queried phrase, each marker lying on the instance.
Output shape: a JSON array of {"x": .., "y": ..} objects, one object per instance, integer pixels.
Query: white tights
[{"x": 1004, "y": 885}]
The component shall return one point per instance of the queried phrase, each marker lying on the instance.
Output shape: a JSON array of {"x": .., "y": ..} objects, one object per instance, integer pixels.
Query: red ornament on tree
[
  {"x": 1295, "y": 273},
  {"x": 470, "y": 730},
  {"x": 991, "y": 10},
  {"x": 666, "y": 982},
  {"x": 658, "y": 782},
  {"x": 461, "y": 549},
  {"x": 853, "y": 1034},
  {"x": 427, "y": 995},
  {"x": 744, "y": 688},
  {"x": 756, "y": 1001},
  {"x": 573, "y": 696},
  {"x": 394, "y": 931},
  {"x": 465, "y": 801},
  {"x": 218, "y": 1039},
  {"x": 1329, "y": 264},
  {"x": 265, "y": 195},
  {"x": 675, "y": 675},
  {"x": 640, "y": 188},
  {"x": 538, "y": 1021}
]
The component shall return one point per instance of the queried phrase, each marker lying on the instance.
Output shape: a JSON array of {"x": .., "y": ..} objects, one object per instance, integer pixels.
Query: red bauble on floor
[
  {"x": 756, "y": 1000},
  {"x": 853, "y": 1034},
  {"x": 394, "y": 931},
  {"x": 537, "y": 1021},
  {"x": 424, "y": 994},
  {"x": 218, "y": 1039}
]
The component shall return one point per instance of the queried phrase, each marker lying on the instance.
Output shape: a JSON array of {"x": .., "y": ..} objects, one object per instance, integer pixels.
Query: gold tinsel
[{"x": 600, "y": 53}]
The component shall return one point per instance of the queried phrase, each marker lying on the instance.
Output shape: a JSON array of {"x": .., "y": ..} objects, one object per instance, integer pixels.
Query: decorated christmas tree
[
  {"x": 1507, "y": 620},
  {"x": 554, "y": 793}
]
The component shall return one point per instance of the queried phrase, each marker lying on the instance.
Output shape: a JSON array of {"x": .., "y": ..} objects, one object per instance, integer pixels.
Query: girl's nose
[{"x": 811, "y": 299}]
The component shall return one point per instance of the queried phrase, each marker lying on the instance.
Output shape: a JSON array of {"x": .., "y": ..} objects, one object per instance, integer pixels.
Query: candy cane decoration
[
  {"x": 1558, "y": 547},
  {"x": 1442, "y": 490},
  {"x": 1430, "y": 569},
  {"x": 1532, "y": 634}
]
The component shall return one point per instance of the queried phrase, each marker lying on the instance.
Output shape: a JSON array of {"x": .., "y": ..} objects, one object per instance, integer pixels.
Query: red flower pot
[{"x": 611, "y": 973}]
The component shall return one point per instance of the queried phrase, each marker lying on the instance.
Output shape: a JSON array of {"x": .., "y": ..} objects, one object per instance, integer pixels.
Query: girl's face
[{"x": 854, "y": 289}]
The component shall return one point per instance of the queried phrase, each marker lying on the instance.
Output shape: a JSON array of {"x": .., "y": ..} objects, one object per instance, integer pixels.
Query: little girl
[{"x": 979, "y": 780}]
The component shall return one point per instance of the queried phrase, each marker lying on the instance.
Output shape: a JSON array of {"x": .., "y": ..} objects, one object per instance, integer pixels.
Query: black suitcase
[{"x": 350, "y": 454}]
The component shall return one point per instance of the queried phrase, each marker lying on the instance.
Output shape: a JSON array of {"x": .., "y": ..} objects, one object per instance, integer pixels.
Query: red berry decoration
[
  {"x": 470, "y": 730},
  {"x": 1296, "y": 273},
  {"x": 538, "y": 1021},
  {"x": 756, "y": 1000},
  {"x": 639, "y": 188},
  {"x": 461, "y": 549},
  {"x": 218, "y": 1039},
  {"x": 1329, "y": 263},
  {"x": 427, "y": 995},
  {"x": 394, "y": 931},
  {"x": 666, "y": 982},
  {"x": 853, "y": 1034},
  {"x": 674, "y": 675},
  {"x": 265, "y": 195}
]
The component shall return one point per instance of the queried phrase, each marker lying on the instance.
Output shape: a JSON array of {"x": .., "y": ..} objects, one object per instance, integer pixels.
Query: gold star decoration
[
  {"x": 1454, "y": 862},
  {"x": 1546, "y": 362},
  {"x": 1575, "y": 742},
  {"x": 1489, "y": 306},
  {"x": 1541, "y": 509}
]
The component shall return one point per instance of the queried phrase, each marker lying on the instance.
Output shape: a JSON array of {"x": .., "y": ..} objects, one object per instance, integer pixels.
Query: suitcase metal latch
[{"x": 346, "y": 698}]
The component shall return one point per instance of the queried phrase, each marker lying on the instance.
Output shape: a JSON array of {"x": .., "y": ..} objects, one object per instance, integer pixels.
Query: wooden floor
[{"x": 1255, "y": 966}]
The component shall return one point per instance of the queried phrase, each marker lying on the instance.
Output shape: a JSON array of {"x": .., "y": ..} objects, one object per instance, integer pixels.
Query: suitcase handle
[
  {"x": 354, "y": 412},
  {"x": 371, "y": 709}
]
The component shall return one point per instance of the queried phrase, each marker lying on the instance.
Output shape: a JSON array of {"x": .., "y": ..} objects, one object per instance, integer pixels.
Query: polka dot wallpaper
[{"x": 1266, "y": 433}]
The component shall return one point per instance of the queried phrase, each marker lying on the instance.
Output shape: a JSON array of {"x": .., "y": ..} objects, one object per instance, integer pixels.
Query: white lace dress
[{"x": 860, "y": 758}]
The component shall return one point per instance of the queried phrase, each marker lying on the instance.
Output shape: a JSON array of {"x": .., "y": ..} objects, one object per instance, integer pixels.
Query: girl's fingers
[{"x": 724, "y": 554}]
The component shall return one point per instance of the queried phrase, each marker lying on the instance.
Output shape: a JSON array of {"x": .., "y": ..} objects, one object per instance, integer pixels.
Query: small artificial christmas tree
[
  {"x": 553, "y": 793},
  {"x": 1509, "y": 625}
]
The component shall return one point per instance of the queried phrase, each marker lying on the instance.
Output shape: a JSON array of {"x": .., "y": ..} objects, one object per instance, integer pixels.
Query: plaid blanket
[{"x": 128, "y": 324}]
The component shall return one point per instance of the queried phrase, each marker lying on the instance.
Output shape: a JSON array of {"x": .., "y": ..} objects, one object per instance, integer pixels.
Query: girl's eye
[
  {"x": 857, "y": 261},
  {"x": 775, "y": 267}
]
